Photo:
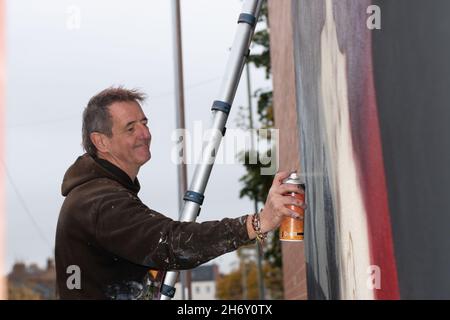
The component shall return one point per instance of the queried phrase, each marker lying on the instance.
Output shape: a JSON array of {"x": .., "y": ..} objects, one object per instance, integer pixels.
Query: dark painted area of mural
[{"x": 412, "y": 79}]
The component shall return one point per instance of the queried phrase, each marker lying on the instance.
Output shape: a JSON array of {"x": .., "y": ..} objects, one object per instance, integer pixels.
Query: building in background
[
  {"x": 29, "y": 282},
  {"x": 204, "y": 279}
]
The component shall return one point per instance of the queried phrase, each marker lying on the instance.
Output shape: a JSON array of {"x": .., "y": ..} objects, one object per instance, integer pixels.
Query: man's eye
[{"x": 131, "y": 129}]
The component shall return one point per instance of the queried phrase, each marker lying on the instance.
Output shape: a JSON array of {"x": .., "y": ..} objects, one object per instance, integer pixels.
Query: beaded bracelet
[{"x": 256, "y": 224}]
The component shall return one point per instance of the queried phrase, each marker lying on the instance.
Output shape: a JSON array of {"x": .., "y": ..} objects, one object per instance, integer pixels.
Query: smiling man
[
  {"x": 107, "y": 239},
  {"x": 128, "y": 144}
]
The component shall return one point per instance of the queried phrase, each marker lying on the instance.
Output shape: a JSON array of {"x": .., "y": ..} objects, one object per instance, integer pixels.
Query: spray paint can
[{"x": 291, "y": 229}]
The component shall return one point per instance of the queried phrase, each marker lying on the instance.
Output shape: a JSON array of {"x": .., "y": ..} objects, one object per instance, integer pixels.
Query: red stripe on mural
[{"x": 375, "y": 192}]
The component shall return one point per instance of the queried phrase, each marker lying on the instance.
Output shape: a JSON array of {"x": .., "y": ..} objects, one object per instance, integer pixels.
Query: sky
[{"x": 60, "y": 53}]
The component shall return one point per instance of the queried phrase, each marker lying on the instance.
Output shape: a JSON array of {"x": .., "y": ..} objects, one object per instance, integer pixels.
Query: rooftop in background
[
  {"x": 205, "y": 273},
  {"x": 31, "y": 282}
]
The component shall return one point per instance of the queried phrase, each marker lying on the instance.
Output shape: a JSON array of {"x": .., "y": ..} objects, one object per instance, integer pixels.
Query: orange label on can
[{"x": 291, "y": 229}]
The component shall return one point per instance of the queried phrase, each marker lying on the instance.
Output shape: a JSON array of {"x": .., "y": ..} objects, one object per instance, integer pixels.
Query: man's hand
[{"x": 275, "y": 207}]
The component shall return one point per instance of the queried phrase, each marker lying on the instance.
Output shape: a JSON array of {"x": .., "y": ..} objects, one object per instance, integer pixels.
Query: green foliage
[
  {"x": 262, "y": 60},
  {"x": 255, "y": 185},
  {"x": 231, "y": 286},
  {"x": 265, "y": 108},
  {"x": 272, "y": 251},
  {"x": 262, "y": 41}
]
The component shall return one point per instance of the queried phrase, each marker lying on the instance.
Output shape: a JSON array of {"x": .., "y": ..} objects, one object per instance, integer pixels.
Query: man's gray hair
[{"x": 96, "y": 116}]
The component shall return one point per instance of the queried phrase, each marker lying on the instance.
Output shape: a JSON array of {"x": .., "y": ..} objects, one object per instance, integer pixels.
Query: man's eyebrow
[{"x": 132, "y": 122}]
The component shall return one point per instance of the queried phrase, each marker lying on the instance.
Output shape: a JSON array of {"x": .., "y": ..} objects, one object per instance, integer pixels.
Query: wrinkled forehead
[{"x": 125, "y": 112}]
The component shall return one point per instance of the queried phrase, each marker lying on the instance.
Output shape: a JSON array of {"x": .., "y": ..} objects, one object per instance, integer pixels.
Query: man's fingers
[
  {"x": 279, "y": 177},
  {"x": 290, "y": 213},
  {"x": 288, "y": 188},
  {"x": 289, "y": 200}
]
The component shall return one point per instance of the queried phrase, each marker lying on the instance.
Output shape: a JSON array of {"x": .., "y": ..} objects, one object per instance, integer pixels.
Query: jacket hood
[{"x": 86, "y": 168}]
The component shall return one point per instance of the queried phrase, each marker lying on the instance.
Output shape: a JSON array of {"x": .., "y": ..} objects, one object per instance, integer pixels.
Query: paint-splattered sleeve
[{"x": 127, "y": 228}]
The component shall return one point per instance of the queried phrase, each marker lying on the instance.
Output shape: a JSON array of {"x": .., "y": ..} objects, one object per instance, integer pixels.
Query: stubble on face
[{"x": 130, "y": 142}]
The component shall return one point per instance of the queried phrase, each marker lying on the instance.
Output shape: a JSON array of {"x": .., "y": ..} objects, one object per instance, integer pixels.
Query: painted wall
[
  {"x": 349, "y": 239},
  {"x": 373, "y": 121},
  {"x": 411, "y": 59}
]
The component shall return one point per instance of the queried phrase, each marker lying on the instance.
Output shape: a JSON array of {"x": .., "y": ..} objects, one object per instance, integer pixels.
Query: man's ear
[{"x": 100, "y": 141}]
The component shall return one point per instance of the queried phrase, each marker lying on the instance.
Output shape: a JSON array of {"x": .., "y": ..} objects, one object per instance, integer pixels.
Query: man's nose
[{"x": 145, "y": 133}]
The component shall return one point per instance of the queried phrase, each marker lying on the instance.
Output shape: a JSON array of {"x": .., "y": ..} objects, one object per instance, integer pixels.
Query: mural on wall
[
  {"x": 350, "y": 241},
  {"x": 374, "y": 122}
]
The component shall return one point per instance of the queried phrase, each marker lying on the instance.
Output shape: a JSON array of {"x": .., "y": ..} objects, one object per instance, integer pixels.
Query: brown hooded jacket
[{"x": 109, "y": 239}]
